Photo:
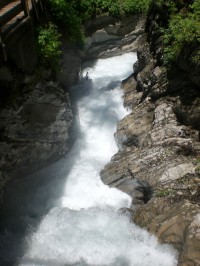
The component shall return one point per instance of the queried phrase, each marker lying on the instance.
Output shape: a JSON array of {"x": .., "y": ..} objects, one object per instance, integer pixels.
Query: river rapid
[{"x": 64, "y": 214}]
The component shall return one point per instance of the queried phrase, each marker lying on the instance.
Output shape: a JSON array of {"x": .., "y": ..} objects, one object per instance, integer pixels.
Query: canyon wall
[
  {"x": 159, "y": 150},
  {"x": 35, "y": 108},
  {"x": 35, "y": 116},
  {"x": 158, "y": 141}
]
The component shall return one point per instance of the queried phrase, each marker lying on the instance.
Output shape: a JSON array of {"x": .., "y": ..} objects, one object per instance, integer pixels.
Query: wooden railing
[{"x": 13, "y": 14}]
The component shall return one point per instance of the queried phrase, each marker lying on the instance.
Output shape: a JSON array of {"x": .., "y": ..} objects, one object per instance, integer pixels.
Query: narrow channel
[{"x": 67, "y": 215}]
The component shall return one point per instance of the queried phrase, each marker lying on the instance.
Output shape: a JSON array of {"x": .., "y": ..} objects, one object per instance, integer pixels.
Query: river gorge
[
  {"x": 74, "y": 219},
  {"x": 119, "y": 158}
]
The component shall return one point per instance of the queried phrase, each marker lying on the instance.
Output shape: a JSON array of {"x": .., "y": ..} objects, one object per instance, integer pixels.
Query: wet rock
[
  {"x": 191, "y": 244},
  {"x": 99, "y": 23},
  {"x": 34, "y": 129},
  {"x": 133, "y": 129},
  {"x": 126, "y": 211},
  {"x": 115, "y": 38},
  {"x": 131, "y": 97},
  {"x": 113, "y": 29},
  {"x": 162, "y": 151},
  {"x": 102, "y": 36},
  {"x": 69, "y": 73},
  {"x": 145, "y": 189},
  {"x": 188, "y": 114},
  {"x": 178, "y": 225},
  {"x": 144, "y": 58}
]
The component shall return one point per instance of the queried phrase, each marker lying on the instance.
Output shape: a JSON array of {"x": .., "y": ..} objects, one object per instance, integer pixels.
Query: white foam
[
  {"x": 98, "y": 117},
  {"x": 85, "y": 228},
  {"x": 111, "y": 69},
  {"x": 97, "y": 237}
]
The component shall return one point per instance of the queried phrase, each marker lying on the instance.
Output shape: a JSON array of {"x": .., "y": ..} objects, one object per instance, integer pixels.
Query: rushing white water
[{"x": 85, "y": 227}]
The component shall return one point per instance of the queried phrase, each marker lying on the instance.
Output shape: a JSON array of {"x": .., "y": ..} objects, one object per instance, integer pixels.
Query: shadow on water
[
  {"x": 111, "y": 86},
  {"x": 89, "y": 63},
  {"x": 81, "y": 90},
  {"x": 26, "y": 201},
  {"x": 77, "y": 92},
  {"x": 29, "y": 199},
  {"x": 84, "y": 89}
]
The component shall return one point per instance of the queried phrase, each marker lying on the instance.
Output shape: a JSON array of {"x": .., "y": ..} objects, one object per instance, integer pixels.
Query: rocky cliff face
[
  {"x": 35, "y": 117},
  {"x": 35, "y": 124},
  {"x": 159, "y": 145},
  {"x": 108, "y": 36}
]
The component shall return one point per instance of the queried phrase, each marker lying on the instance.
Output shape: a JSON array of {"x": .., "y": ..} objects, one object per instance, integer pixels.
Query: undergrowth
[{"x": 183, "y": 29}]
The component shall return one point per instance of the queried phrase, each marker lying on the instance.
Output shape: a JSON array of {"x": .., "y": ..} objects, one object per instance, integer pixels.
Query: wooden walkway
[{"x": 13, "y": 14}]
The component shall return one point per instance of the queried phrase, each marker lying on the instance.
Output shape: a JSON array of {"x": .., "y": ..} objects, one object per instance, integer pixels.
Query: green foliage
[
  {"x": 114, "y": 8},
  {"x": 165, "y": 193},
  {"x": 65, "y": 15},
  {"x": 120, "y": 7},
  {"x": 135, "y": 6},
  {"x": 196, "y": 7},
  {"x": 183, "y": 29},
  {"x": 92, "y": 8},
  {"x": 49, "y": 45},
  {"x": 86, "y": 9},
  {"x": 71, "y": 14},
  {"x": 196, "y": 57}
]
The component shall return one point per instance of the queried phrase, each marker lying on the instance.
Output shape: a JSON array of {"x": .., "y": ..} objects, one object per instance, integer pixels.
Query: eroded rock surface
[
  {"x": 108, "y": 36},
  {"x": 35, "y": 125},
  {"x": 154, "y": 146}
]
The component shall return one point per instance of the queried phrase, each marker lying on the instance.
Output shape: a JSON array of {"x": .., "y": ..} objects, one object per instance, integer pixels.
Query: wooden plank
[
  {"x": 14, "y": 11},
  {"x": 25, "y": 6},
  {"x": 12, "y": 23},
  {"x": 19, "y": 25},
  {"x": 41, "y": 5},
  {"x": 14, "y": 14},
  {"x": 4, "y": 3},
  {"x": 34, "y": 4}
]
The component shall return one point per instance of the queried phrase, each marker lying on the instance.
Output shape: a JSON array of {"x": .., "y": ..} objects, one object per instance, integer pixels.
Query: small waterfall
[{"x": 83, "y": 225}]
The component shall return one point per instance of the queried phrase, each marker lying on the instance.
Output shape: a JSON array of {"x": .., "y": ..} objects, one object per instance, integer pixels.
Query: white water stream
[{"x": 83, "y": 225}]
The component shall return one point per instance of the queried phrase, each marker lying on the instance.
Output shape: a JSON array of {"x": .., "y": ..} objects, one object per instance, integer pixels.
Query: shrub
[
  {"x": 135, "y": 6},
  {"x": 49, "y": 45},
  {"x": 183, "y": 28},
  {"x": 70, "y": 14},
  {"x": 65, "y": 15}
]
